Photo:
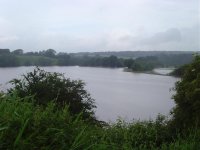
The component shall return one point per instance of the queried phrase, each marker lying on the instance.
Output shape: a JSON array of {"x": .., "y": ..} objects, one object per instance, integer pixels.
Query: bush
[{"x": 46, "y": 86}]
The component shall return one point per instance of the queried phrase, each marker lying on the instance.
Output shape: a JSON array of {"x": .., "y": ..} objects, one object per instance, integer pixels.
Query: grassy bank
[{"x": 24, "y": 125}]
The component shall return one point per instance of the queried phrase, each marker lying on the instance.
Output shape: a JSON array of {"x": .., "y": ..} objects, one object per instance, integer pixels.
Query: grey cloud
[
  {"x": 79, "y": 25},
  {"x": 171, "y": 35},
  {"x": 171, "y": 39},
  {"x": 4, "y": 39}
]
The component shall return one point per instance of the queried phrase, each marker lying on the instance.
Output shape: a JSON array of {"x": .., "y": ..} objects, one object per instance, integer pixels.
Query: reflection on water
[
  {"x": 117, "y": 93},
  {"x": 163, "y": 71}
]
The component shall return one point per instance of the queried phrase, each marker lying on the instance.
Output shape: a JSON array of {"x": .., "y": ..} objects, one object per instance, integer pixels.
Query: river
[{"x": 117, "y": 93}]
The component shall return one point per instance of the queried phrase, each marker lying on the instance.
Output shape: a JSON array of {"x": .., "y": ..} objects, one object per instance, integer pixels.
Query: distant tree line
[
  {"x": 50, "y": 57},
  {"x": 134, "y": 54}
]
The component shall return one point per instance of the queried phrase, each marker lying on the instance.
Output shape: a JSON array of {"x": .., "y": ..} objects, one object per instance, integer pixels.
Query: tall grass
[{"x": 24, "y": 125}]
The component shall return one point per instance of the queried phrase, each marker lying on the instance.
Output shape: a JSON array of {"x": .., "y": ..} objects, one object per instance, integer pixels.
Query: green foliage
[
  {"x": 8, "y": 60},
  {"x": 48, "y": 53},
  {"x": 186, "y": 114},
  {"x": 46, "y": 86},
  {"x": 111, "y": 61},
  {"x": 128, "y": 62},
  {"x": 166, "y": 58},
  {"x": 63, "y": 59},
  {"x": 24, "y": 125},
  {"x": 146, "y": 134},
  {"x": 179, "y": 72},
  {"x": 145, "y": 63},
  {"x": 44, "y": 61},
  {"x": 176, "y": 60},
  {"x": 26, "y": 60}
]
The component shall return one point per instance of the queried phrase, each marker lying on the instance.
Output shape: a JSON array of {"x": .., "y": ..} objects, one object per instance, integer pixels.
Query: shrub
[{"x": 46, "y": 86}]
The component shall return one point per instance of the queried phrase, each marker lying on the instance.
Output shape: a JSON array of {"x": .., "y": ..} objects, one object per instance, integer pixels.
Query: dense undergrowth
[{"x": 24, "y": 125}]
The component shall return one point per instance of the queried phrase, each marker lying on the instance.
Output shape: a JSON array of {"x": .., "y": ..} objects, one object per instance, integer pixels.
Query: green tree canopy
[{"x": 187, "y": 98}]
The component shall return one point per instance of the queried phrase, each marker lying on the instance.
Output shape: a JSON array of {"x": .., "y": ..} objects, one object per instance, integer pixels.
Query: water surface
[
  {"x": 117, "y": 93},
  {"x": 163, "y": 71}
]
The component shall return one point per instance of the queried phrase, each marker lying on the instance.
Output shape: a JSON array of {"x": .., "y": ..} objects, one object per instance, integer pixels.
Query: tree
[
  {"x": 18, "y": 52},
  {"x": 46, "y": 86},
  {"x": 50, "y": 53},
  {"x": 128, "y": 62},
  {"x": 4, "y": 51},
  {"x": 186, "y": 113},
  {"x": 145, "y": 63},
  {"x": 111, "y": 61}
]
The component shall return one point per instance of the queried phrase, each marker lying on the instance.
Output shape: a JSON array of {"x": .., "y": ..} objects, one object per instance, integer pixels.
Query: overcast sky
[{"x": 100, "y": 25}]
